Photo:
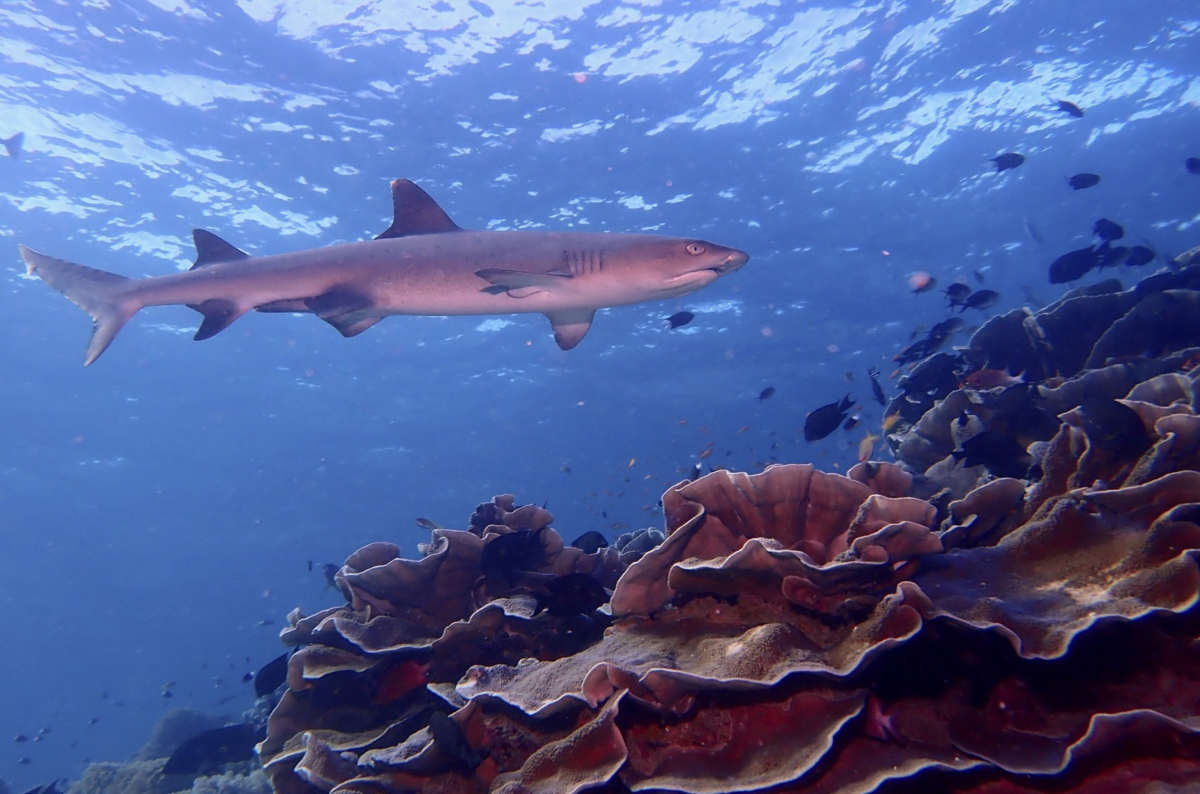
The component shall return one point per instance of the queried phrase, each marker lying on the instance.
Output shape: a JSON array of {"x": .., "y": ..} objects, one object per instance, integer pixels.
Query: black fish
[
  {"x": 1070, "y": 108},
  {"x": 1073, "y": 265},
  {"x": 211, "y": 749},
  {"x": 1107, "y": 230},
  {"x": 570, "y": 595},
  {"x": 1114, "y": 427},
  {"x": 916, "y": 351},
  {"x": 766, "y": 393},
  {"x": 696, "y": 471},
  {"x": 956, "y": 293},
  {"x": 1110, "y": 256},
  {"x": 1082, "y": 181},
  {"x": 12, "y": 145},
  {"x": 247, "y": 678},
  {"x": 826, "y": 419},
  {"x": 1192, "y": 164},
  {"x": 999, "y": 452},
  {"x": 981, "y": 299},
  {"x": 850, "y": 423},
  {"x": 506, "y": 556},
  {"x": 426, "y": 523},
  {"x": 1008, "y": 161},
  {"x": 450, "y": 739},
  {"x": 272, "y": 674},
  {"x": 925, "y": 286},
  {"x": 1139, "y": 255},
  {"x": 978, "y": 276},
  {"x": 591, "y": 542},
  {"x": 941, "y": 332},
  {"x": 330, "y": 570},
  {"x": 680, "y": 319},
  {"x": 876, "y": 389}
]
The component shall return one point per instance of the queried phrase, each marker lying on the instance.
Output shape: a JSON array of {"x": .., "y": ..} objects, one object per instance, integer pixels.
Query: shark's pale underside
[{"x": 423, "y": 264}]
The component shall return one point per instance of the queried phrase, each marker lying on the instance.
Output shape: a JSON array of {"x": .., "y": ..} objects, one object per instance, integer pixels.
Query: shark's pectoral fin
[
  {"x": 218, "y": 314},
  {"x": 570, "y": 326},
  {"x": 520, "y": 283},
  {"x": 348, "y": 326},
  {"x": 337, "y": 302}
]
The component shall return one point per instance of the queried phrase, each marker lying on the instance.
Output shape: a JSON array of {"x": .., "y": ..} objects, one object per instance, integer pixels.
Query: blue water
[{"x": 158, "y": 511}]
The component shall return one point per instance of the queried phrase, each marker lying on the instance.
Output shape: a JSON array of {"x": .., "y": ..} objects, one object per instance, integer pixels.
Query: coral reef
[{"x": 1010, "y": 607}]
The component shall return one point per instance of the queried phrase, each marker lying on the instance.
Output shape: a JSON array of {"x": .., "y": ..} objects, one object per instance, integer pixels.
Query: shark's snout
[{"x": 734, "y": 260}]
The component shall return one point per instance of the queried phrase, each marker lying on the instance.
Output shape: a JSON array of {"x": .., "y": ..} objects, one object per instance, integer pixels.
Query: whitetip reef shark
[{"x": 423, "y": 264}]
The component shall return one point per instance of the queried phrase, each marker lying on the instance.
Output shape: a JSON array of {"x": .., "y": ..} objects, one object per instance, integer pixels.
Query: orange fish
[
  {"x": 890, "y": 421},
  {"x": 867, "y": 446},
  {"x": 985, "y": 379},
  {"x": 705, "y": 453},
  {"x": 398, "y": 680}
]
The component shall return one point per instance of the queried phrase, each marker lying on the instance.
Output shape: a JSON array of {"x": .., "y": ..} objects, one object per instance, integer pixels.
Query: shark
[{"x": 423, "y": 264}]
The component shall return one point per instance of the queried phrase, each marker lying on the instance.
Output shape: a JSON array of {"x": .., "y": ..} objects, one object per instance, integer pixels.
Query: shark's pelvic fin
[
  {"x": 211, "y": 249},
  {"x": 338, "y": 302},
  {"x": 570, "y": 326},
  {"x": 349, "y": 327},
  {"x": 414, "y": 212},
  {"x": 97, "y": 292}
]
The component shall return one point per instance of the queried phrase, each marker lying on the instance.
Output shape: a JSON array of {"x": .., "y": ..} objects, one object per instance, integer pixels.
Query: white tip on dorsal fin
[{"x": 414, "y": 212}]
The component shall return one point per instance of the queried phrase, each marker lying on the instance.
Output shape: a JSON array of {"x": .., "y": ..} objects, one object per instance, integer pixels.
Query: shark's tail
[{"x": 97, "y": 292}]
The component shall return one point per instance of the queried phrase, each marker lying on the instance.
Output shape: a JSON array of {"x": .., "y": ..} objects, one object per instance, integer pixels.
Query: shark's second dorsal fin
[
  {"x": 211, "y": 249},
  {"x": 414, "y": 212}
]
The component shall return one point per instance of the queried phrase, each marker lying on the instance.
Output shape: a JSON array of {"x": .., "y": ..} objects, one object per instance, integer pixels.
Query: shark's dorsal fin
[
  {"x": 414, "y": 212},
  {"x": 211, "y": 249}
]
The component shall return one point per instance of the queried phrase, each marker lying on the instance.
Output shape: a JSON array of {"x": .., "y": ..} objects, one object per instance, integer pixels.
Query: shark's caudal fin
[{"x": 95, "y": 291}]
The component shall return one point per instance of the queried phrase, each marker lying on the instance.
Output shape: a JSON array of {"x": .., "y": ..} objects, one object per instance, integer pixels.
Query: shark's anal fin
[
  {"x": 218, "y": 313},
  {"x": 211, "y": 249},
  {"x": 520, "y": 283},
  {"x": 570, "y": 326},
  {"x": 414, "y": 212}
]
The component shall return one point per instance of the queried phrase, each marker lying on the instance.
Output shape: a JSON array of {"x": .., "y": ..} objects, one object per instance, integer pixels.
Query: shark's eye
[{"x": 695, "y": 249}]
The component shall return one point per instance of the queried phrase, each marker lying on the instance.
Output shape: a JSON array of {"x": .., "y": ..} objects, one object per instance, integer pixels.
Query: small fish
[
  {"x": 942, "y": 331},
  {"x": 591, "y": 542},
  {"x": 1139, "y": 255},
  {"x": 766, "y": 393},
  {"x": 12, "y": 144},
  {"x": 957, "y": 293},
  {"x": 890, "y": 421},
  {"x": 981, "y": 299},
  {"x": 1070, "y": 108},
  {"x": 209, "y": 750},
  {"x": 1110, "y": 255},
  {"x": 505, "y": 557},
  {"x": 1032, "y": 231},
  {"x": 272, "y": 674},
  {"x": 20, "y": 738},
  {"x": 1107, "y": 230},
  {"x": 824, "y": 420},
  {"x": 999, "y": 452},
  {"x": 978, "y": 276},
  {"x": 866, "y": 447},
  {"x": 849, "y": 376},
  {"x": 330, "y": 571},
  {"x": 1083, "y": 181},
  {"x": 1192, "y": 164},
  {"x": 680, "y": 319},
  {"x": 984, "y": 379},
  {"x": 850, "y": 423},
  {"x": 876, "y": 388},
  {"x": 398, "y": 680},
  {"x": 1114, "y": 427},
  {"x": 921, "y": 282},
  {"x": 247, "y": 678},
  {"x": 310, "y": 566},
  {"x": 1073, "y": 265},
  {"x": 695, "y": 472},
  {"x": 570, "y": 595},
  {"x": 1008, "y": 161},
  {"x": 450, "y": 739},
  {"x": 425, "y": 523}
]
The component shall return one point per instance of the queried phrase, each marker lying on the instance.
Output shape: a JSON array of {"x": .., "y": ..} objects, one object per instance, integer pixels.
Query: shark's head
[{"x": 667, "y": 267}]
